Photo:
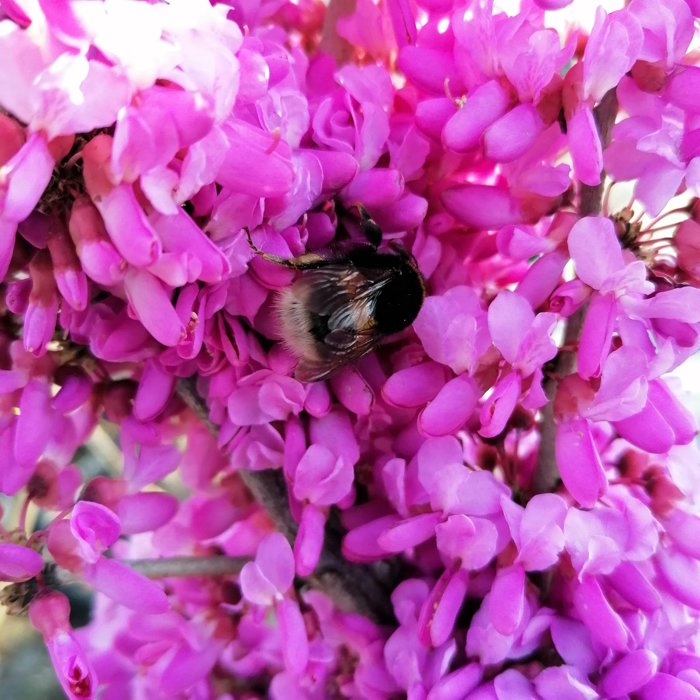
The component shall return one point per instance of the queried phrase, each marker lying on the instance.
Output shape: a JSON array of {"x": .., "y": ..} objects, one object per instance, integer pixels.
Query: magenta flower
[
  {"x": 453, "y": 329},
  {"x": 18, "y": 563},
  {"x": 265, "y": 582},
  {"x": 600, "y": 264},
  {"x": 524, "y": 341},
  {"x": 49, "y": 614},
  {"x": 508, "y": 487}
]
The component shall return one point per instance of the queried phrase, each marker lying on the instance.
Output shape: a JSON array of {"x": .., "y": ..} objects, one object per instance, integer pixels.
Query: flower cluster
[{"x": 516, "y": 474}]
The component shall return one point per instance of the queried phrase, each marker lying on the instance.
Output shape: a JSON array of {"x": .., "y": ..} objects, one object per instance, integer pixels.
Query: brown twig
[
  {"x": 331, "y": 42},
  {"x": 590, "y": 203},
  {"x": 364, "y": 589},
  {"x": 187, "y": 566}
]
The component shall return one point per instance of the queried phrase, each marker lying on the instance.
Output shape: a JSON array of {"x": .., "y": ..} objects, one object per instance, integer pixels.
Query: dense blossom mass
[{"x": 501, "y": 501}]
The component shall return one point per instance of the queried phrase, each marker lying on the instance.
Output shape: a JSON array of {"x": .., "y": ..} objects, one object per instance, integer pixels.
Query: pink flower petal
[
  {"x": 254, "y": 150},
  {"x": 623, "y": 386},
  {"x": 179, "y": 234},
  {"x": 563, "y": 683},
  {"x": 682, "y": 527},
  {"x": 295, "y": 644},
  {"x": 483, "y": 107},
  {"x": 604, "y": 623},
  {"x": 681, "y": 303},
  {"x": 596, "y": 335},
  {"x": 512, "y": 685},
  {"x": 127, "y": 587},
  {"x": 433, "y": 114},
  {"x": 579, "y": 463},
  {"x": 309, "y": 540},
  {"x": 49, "y": 613},
  {"x": 255, "y": 586},
  {"x": 95, "y": 527},
  {"x": 614, "y": 45},
  {"x": 664, "y": 685},
  {"x": 24, "y": 178},
  {"x": 8, "y": 230},
  {"x": 76, "y": 389},
  {"x": 154, "y": 391},
  {"x": 452, "y": 328},
  {"x": 513, "y": 134},
  {"x": 188, "y": 666},
  {"x": 447, "y": 606},
  {"x": 680, "y": 574},
  {"x": 510, "y": 317},
  {"x": 143, "y": 512},
  {"x": 128, "y": 227},
  {"x": 482, "y": 206},
  {"x": 276, "y": 561},
  {"x": 414, "y": 386},
  {"x": 540, "y": 532},
  {"x": 35, "y": 423},
  {"x": 572, "y": 640},
  {"x": 451, "y": 408},
  {"x": 18, "y": 563},
  {"x": 595, "y": 250},
  {"x": 321, "y": 477},
  {"x": 471, "y": 540},
  {"x": 629, "y": 674},
  {"x": 361, "y": 544},
  {"x": 629, "y": 581},
  {"x": 507, "y": 599},
  {"x": 553, "y": 4},
  {"x": 428, "y": 68},
  {"x": 434, "y": 455},
  {"x": 339, "y": 168},
  {"x": 409, "y": 533},
  {"x": 584, "y": 145},
  {"x": 682, "y": 86},
  {"x": 153, "y": 307},
  {"x": 649, "y": 429},
  {"x": 353, "y": 391},
  {"x": 458, "y": 684},
  {"x": 542, "y": 278},
  {"x": 498, "y": 407},
  {"x": 374, "y": 188}
]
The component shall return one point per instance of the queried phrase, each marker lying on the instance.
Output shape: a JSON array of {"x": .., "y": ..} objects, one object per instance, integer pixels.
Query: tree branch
[
  {"x": 331, "y": 42},
  {"x": 359, "y": 588},
  {"x": 590, "y": 203},
  {"x": 187, "y": 566}
]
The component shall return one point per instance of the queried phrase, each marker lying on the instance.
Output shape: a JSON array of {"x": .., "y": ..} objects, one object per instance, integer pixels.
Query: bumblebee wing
[
  {"x": 344, "y": 297},
  {"x": 338, "y": 325},
  {"x": 315, "y": 370},
  {"x": 331, "y": 288}
]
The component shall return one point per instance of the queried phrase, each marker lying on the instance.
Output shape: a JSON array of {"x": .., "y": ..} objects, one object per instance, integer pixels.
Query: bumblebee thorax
[{"x": 399, "y": 301}]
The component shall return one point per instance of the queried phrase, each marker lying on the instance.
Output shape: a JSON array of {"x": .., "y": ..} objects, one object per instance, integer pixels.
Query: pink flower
[
  {"x": 596, "y": 251},
  {"x": 524, "y": 340},
  {"x": 453, "y": 329},
  {"x": 18, "y": 563},
  {"x": 265, "y": 582},
  {"x": 49, "y": 614},
  {"x": 517, "y": 484}
]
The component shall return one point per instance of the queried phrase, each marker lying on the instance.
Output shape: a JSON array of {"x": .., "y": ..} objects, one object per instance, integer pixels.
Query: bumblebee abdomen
[{"x": 301, "y": 329}]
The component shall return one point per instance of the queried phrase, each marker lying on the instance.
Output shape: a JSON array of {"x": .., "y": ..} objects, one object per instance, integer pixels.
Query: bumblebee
[{"x": 343, "y": 305}]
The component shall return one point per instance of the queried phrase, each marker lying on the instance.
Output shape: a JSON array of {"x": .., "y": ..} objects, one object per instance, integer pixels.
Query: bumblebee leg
[
  {"x": 308, "y": 261},
  {"x": 369, "y": 227}
]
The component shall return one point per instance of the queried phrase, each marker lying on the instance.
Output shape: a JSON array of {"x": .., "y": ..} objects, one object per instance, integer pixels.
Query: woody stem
[{"x": 590, "y": 204}]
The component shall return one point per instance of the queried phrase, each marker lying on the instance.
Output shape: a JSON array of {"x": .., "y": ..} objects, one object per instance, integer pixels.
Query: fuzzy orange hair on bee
[{"x": 342, "y": 305}]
